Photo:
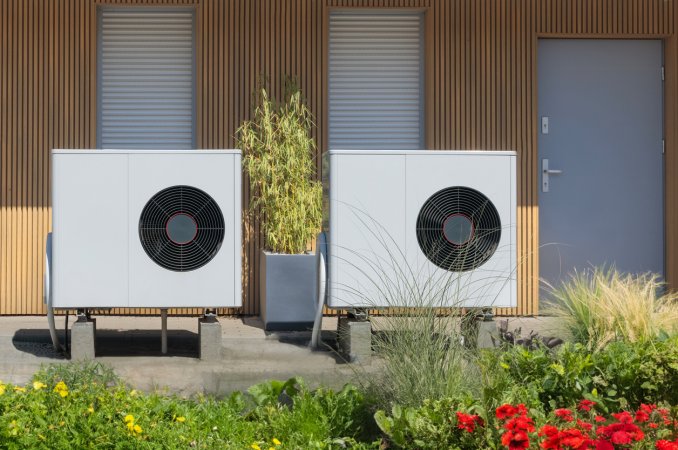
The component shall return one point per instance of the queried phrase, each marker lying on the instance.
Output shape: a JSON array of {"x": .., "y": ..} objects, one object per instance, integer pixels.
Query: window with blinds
[
  {"x": 146, "y": 76},
  {"x": 376, "y": 89}
]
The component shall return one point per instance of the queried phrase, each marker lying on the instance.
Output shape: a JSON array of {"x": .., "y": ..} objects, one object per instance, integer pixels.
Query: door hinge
[
  {"x": 662, "y": 73},
  {"x": 663, "y": 146}
]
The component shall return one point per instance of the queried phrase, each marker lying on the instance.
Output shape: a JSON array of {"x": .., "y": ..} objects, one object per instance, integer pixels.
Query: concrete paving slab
[{"x": 131, "y": 346}]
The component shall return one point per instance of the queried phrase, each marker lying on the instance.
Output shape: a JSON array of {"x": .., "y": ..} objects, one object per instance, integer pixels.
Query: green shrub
[
  {"x": 620, "y": 375},
  {"x": 278, "y": 157},
  {"x": 600, "y": 306}
]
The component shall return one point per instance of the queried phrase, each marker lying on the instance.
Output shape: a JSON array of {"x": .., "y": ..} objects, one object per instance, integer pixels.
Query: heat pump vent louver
[
  {"x": 181, "y": 228},
  {"x": 458, "y": 229}
]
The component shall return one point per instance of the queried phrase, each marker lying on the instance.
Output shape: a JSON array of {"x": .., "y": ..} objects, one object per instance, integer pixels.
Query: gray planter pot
[{"x": 287, "y": 291}]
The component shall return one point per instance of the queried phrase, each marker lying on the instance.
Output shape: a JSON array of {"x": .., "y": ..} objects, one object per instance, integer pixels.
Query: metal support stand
[{"x": 163, "y": 331}]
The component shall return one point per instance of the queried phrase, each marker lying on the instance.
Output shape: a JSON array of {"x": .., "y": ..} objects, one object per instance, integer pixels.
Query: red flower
[
  {"x": 521, "y": 409},
  {"x": 604, "y": 445},
  {"x": 566, "y": 439},
  {"x": 520, "y": 423},
  {"x": 574, "y": 439},
  {"x": 623, "y": 417},
  {"x": 648, "y": 408},
  {"x": 548, "y": 430},
  {"x": 664, "y": 413},
  {"x": 468, "y": 422},
  {"x": 621, "y": 433},
  {"x": 585, "y": 405},
  {"x": 653, "y": 426},
  {"x": 564, "y": 414},
  {"x": 515, "y": 441},
  {"x": 642, "y": 416},
  {"x": 600, "y": 419},
  {"x": 643, "y": 413},
  {"x": 666, "y": 445},
  {"x": 505, "y": 412},
  {"x": 584, "y": 425}
]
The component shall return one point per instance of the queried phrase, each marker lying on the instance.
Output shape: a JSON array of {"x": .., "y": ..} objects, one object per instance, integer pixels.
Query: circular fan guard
[
  {"x": 181, "y": 255},
  {"x": 476, "y": 246}
]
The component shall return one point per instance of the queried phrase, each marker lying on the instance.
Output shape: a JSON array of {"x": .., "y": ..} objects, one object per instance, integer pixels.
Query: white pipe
[
  {"x": 321, "y": 249},
  {"x": 163, "y": 332},
  {"x": 47, "y": 293}
]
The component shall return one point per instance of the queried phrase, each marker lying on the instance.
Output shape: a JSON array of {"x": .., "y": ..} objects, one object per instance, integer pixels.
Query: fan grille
[
  {"x": 170, "y": 238},
  {"x": 469, "y": 214}
]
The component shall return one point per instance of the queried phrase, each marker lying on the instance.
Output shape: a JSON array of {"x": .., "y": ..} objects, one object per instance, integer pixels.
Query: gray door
[{"x": 600, "y": 130}]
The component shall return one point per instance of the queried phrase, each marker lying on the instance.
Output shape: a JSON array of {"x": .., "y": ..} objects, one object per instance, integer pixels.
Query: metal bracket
[
  {"x": 83, "y": 315},
  {"x": 210, "y": 316},
  {"x": 359, "y": 315}
]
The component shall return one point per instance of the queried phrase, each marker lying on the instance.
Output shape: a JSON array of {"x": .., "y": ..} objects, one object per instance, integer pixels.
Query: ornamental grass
[{"x": 602, "y": 305}]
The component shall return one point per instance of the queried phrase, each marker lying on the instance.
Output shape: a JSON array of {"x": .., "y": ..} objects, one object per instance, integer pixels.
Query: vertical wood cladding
[{"x": 481, "y": 94}]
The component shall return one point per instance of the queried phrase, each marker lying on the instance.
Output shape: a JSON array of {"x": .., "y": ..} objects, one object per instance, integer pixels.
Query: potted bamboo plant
[{"x": 278, "y": 156}]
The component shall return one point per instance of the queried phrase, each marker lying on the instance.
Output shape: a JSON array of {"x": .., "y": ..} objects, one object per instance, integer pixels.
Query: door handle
[{"x": 546, "y": 173}]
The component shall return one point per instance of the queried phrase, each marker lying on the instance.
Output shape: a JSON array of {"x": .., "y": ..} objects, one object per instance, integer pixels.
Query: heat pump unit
[
  {"x": 420, "y": 228},
  {"x": 146, "y": 229}
]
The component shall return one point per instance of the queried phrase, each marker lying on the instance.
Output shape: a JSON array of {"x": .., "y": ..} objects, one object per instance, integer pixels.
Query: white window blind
[
  {"x": 146, "y": 79},
  {"x": 376, "y": 81}
]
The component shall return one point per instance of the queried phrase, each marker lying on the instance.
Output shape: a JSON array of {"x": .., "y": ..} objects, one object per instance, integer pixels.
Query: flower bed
[
  {"x": 71, "y": 406},
  {"x": 514, "y": 427}
]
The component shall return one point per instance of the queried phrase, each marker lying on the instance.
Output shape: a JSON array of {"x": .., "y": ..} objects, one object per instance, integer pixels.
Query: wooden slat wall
[
  {"x": 481, "y": 94},
  {"x": 605, "y": 17}
]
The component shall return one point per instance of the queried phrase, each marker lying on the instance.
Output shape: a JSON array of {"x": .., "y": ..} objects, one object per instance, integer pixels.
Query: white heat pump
[
  {"x": 146, "y": 228},
  {"x": 420, "y": 228}
]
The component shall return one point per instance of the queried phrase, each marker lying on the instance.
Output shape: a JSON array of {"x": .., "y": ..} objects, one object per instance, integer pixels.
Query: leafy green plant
[
  {"x": 429, "y": 426},
  {"x": 85, "y": 406},
  {"x": 601, "y": 305},
  {"x": 620, "y": 375},
  {"x": 278, "y": 157}
]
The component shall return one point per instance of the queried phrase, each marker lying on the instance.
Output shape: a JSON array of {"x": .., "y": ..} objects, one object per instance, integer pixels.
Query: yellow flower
[
  {"x": 19, "y": 389},
  {"x": 255, "y": 446},
  {"x": 181, "y": 419},
  {"x": 2, "y": 389},
  {"x": 137, "y": 429},
  {"x": 271, "y": 448},
  {"x": 130, "y": 426},
  {"x": 276, "y": 442},
  {"x": 90, "y": 409},
  {"x": 133, "y": 393},
  {"x": 129, "y": 418},
  {"x": 37, "y": 385},
  {"x": 61, "y": 389}
]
